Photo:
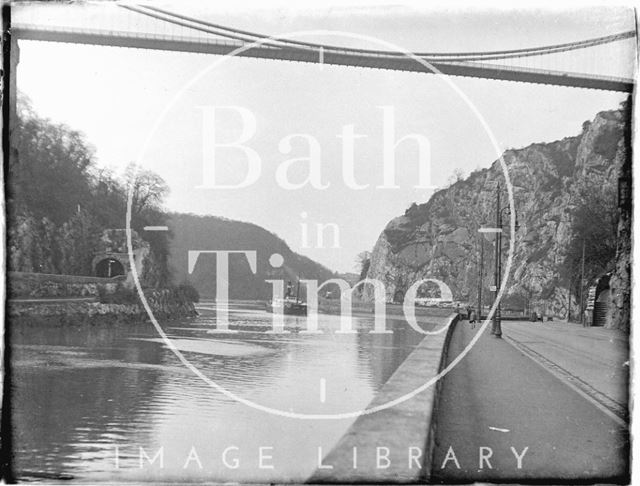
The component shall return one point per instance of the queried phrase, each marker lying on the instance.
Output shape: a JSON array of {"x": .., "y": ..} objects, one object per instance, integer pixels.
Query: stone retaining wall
[
  {"x": 407, "y": 424},
  {"x": 43, "y": 285},
  {"x": 162, "y": 302}
]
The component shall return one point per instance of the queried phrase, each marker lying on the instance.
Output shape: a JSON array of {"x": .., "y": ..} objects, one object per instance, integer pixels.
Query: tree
[
  {"x": 22, "y": 244},
  {"x": 59, "y": 203},
  {"x": 594, "y": 226},
  {"x": 456, "y": 176},
  {"x": 52, "y": 173},
  {"x": 78, "y": 240},
  {"x": 108, "y": 203},
  {"x": 363, "y": 262},
  {"x": 148, "y": 190}
]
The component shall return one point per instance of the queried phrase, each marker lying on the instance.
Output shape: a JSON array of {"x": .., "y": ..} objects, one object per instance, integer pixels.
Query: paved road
[
  {"x": 498, "y": 398},
  {"x": 597, "y": 356}
]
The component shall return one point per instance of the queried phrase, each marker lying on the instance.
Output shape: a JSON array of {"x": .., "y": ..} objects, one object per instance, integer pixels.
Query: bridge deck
[{"x": 334, "y": 57}]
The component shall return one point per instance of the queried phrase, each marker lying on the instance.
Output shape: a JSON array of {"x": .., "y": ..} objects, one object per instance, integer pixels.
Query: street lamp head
[
  {"x": 508, "y": 210},
  {"x": 517, "y": 225}
]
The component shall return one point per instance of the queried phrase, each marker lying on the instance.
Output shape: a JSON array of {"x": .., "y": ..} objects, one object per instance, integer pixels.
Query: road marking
[
  {"x": 156, "y": 228},
  {"x": 499, "y": 429},
  {"x": 321, "y": 60},
  {"x": 323, "y": 390},
  {"x": 610, "y": 407}
]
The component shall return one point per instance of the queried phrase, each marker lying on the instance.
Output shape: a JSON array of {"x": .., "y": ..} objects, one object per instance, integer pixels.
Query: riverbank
[
  {"x": 332, "y": 306},
  {"x": 165, "y": 304}
]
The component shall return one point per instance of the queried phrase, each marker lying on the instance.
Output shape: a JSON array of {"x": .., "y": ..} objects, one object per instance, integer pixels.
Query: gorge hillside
[
  {"x": 191, "y": 232},
  {"x": 564, "y": 192}
]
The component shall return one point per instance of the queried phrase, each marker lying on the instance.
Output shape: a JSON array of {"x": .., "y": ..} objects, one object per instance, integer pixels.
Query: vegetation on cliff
[{"x": 59, "y": 202}]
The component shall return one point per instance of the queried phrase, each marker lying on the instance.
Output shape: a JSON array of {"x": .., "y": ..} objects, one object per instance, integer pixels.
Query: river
[{"x": 92, "y": 403}]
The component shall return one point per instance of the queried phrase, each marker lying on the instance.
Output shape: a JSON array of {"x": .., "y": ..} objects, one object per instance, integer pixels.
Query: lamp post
[
  {"x": 496, "y": 328},
  {"x": 582, "y": 286},
  {"x": 480, "y": 278}
]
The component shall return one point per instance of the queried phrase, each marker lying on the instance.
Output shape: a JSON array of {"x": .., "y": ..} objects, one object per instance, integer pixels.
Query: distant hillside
[{"x": 192, "y": 232}]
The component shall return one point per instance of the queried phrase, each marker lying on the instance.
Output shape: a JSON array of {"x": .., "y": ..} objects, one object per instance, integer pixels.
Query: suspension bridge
[{"x": 189, "y": 34}]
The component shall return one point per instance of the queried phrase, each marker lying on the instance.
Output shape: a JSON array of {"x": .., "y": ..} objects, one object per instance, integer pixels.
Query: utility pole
[
  {"x": 582, "y": 287},
  {"x": 497, "y": 330},
  {"x": 480, "y": 277}
]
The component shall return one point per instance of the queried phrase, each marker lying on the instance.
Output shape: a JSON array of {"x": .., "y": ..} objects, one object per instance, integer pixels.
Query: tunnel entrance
[{"x": 109, "y": 267}]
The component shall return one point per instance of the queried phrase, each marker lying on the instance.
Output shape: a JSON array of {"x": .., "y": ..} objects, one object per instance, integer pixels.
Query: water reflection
[{"x": 90, "y": 402}]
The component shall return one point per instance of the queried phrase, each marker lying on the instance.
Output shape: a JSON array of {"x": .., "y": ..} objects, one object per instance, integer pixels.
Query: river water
[{"x": 94, "y": 403}]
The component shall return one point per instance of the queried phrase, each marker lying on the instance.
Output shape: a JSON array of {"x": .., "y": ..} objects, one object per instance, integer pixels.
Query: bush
[
  {"x": 188, "y": 292},
  {"x": 606, "y": 143},
  {"x": 120, "y": 296}
]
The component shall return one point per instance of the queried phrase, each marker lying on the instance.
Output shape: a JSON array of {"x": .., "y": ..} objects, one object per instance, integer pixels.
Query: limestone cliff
[{"x": 440, "y": 238}]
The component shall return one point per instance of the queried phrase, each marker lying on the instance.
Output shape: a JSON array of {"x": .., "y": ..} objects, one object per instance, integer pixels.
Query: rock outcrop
[{"x": 440, "y": 239}]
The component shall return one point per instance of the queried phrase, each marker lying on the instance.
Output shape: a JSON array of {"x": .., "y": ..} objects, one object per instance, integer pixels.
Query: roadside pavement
[{"x": 504, "y": 417}]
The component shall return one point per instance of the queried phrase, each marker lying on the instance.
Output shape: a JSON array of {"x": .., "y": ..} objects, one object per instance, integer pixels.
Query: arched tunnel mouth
[{"x": 109, "y": 267}]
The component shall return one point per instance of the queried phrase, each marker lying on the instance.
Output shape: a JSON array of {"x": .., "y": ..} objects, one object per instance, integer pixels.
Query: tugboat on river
[{"x": 290, "y": 305}]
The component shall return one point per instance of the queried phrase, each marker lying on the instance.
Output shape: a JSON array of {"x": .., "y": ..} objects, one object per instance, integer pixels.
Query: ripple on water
[
  {"x": 83, "y": 391},
  {"x": 213, "y": 347}
]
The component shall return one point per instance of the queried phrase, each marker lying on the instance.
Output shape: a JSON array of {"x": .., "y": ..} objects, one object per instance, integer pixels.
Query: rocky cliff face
[
  {"x": 621, "y": 277},
  {"x": 440, "y": 239}
]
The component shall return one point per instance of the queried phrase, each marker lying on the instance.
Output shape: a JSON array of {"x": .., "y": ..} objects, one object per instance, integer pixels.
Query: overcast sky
[{"x": 116, "y": 95}]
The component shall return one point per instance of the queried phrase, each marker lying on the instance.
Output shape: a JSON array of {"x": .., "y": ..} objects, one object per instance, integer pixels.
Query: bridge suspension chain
[{"x": 246, "y": 36}]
